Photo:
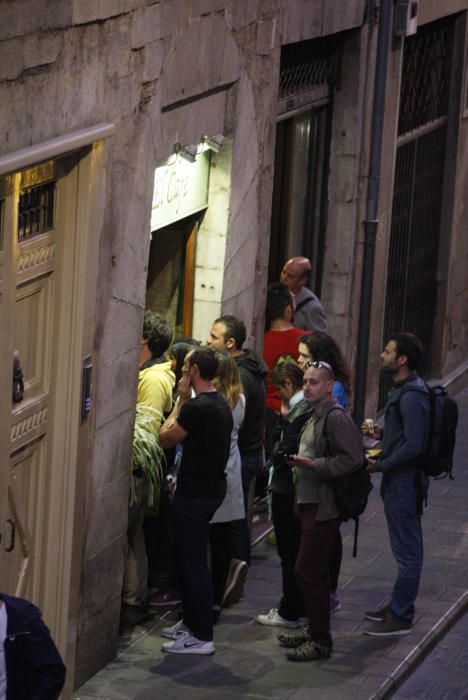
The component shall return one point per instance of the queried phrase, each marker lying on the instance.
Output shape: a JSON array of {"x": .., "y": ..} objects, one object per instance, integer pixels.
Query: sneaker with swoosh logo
[{"x": 187, "y": 643}]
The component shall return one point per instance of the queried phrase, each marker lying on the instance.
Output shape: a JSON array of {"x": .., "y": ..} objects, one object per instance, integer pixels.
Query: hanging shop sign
[{"x": 180, "y": 189}]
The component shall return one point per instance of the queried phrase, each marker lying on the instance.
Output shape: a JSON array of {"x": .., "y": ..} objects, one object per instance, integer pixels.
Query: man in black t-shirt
[{"x": 204, "y": 426}]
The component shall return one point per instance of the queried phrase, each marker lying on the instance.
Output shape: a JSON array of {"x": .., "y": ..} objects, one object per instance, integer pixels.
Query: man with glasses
[
  {"x": 309, "y": 314},
  {"x": 330, "y": 447}
]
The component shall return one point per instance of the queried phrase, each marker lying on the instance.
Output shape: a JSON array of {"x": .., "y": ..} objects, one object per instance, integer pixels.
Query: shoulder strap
[
  {"x": 325, "y": 423},
  {"x": 303, "y": 303},
  {"x": 406, "y": 390}
]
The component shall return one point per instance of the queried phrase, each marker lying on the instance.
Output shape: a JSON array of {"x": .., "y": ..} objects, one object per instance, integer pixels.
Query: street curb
[{"x": 421, "y": 650}]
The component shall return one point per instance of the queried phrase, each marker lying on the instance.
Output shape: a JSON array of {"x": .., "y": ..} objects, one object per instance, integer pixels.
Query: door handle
[
  {"x": 18, "y": 383},
  {"x": 12, "y": 524}
]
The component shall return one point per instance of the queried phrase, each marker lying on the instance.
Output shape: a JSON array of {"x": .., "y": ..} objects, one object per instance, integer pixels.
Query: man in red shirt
[{"x": 281, "y": 341}]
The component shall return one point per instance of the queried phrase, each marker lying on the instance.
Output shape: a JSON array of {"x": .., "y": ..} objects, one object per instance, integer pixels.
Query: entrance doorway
[{"x": 171, "y": 273}]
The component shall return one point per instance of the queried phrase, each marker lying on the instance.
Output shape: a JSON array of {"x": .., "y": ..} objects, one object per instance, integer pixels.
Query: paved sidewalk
[
  {"x": 249, "y": 663},
  {"x": 443, "y": 674}
]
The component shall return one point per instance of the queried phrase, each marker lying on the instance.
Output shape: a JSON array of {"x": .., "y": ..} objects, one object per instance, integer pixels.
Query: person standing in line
[
  {"x": 281, "y": 341},
  {"x": 204, "y": 425},
  {"x": 330, "y": 447},
  {"x": 288, "y": 380},
  {"x": 227, "y": 382},
  {"x": 404, "y": 484},
  {"x": 309, "y": 312},
  {"x": 30, "y": 666},
  {"x": 155, "y": 385},
  {"x": 228, "y": 333},
  {"x": 322, "y": 347}
]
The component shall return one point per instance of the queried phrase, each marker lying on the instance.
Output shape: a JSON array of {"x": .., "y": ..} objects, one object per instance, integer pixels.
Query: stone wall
[{"x": 167, "y": 71}]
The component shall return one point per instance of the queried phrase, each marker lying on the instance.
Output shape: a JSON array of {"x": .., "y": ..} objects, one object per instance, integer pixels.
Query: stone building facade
[{"x": 99, "y": 94}]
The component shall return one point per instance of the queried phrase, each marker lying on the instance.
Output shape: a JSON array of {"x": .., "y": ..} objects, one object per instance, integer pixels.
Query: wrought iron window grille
[
  {"x": 36, "y": 210},
  {"x": 308, "y": 64},
  {"x": 425, "y": 81}
]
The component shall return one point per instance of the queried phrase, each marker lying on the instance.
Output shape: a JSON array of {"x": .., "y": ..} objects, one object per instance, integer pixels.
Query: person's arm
[
  {"x": 171, "y": 432},
  {"x": 44, "y": 660},
  {"x": 414, "y": 410},
  {"x": 345, "y": 447}
]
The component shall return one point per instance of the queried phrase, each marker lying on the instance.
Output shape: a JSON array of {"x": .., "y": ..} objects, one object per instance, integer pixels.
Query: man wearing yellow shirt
[{"x": 155, "y": 384}]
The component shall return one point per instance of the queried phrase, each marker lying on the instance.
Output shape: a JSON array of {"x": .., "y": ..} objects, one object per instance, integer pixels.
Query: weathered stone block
[
  {"x": 154, "y": 59},
  {"x": 107, "y": 516},
  {"x": 265, "y": 39},
  {"x": 147, "y": 26},
  {"x": 111, "y": 457},
  {"x": 43, "y": 48},
  {"x": 85, "y": 11},
  {"x": 204, "y": 7},
  {"x": 97, "y": 641},
  {"x": 11, "y": 59},
  {"x": 175, "y": 17}
]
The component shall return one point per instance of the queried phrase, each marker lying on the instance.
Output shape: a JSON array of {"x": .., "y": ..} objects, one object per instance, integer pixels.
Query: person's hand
[
  {"x": 375, "y": 432},
  {"x": 301, "y": 462},
  {"x": 371, "y": 464},
  {"x": 184, "y": 388}
]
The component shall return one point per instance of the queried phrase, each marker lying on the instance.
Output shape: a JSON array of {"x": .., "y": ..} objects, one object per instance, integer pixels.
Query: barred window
[{"x": 36, "y": 210}]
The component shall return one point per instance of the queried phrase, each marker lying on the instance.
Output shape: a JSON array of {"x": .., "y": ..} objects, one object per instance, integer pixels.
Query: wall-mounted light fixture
[
  {"x": 214, "y": 143},
  {"x": 187, "y": 152}
]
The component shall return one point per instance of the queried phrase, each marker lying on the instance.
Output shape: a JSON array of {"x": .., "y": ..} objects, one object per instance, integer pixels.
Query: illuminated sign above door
[{"x": 180, "y": 189}]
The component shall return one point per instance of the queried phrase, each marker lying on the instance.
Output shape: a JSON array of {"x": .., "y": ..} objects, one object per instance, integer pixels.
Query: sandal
[
  {"x": 291, "y": 640},
  {"x": 309, "y": 651}
]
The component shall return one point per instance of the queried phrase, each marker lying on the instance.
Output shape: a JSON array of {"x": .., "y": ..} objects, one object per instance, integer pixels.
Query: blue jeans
[
  {"x": 401, "y": 494},
  {"x": 190, "y": 520},
  {"x": 252, "y": 464}
]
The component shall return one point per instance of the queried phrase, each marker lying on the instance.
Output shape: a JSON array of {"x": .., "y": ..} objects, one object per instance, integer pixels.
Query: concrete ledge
[{"x": 421, "y": 650}]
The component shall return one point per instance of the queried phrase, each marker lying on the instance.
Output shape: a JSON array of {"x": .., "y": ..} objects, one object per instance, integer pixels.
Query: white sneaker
[
  {"x": 274, "y": 619},
  {"x": 175, "y": 631},
  {"x": 186, "y": 643}
]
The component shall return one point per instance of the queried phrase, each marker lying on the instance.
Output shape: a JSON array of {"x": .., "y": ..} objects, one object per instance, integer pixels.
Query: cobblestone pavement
[{"x": 249, "y": 663}]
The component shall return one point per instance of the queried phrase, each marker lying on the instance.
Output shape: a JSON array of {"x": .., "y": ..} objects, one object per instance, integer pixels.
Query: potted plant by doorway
[{"x": 148, "y": 460}]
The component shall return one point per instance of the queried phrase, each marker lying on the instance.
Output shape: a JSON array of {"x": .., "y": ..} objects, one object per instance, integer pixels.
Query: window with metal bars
[
  {"x": 36, "y": 210},
  {"x": 424, "y": 92},
  {"x": 411, "y": 295},
  {"x": 307, "y": 64}
]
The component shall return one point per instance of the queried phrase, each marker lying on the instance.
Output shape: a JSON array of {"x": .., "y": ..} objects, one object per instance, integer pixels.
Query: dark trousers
[
  {"x": 252, "y": 464},
  {"x": 190, "y": 519},
  {"x": 220, "y": 559},
  {"x": 313, "y": 570},
  {"x": 335, "y": 562},
  {"x": 401, "y": 495},
  {"x": 288, "y": 537}
]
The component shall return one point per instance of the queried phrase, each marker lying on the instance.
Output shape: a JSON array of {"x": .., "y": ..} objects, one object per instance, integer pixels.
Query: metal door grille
[
  {"x": 411, "y": 295},
  {"x": 36, "y": 210}
]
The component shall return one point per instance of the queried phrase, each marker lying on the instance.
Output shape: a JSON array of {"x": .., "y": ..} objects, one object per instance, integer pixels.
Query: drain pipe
[{"x": 371, "y": 222}]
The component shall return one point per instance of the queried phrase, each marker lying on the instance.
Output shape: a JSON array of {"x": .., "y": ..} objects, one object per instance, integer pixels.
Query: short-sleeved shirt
[
  {"x": 208, "y": 421},
  {"x": 279, "y": 346}
]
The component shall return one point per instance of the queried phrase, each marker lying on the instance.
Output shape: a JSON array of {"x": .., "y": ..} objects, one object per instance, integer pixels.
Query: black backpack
[
  {"x": 437, "y": 459},
  {"x": 351, "y": 492}
]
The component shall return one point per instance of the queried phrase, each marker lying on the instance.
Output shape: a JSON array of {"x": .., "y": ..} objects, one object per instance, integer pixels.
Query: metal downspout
[{"x": 373, "y": 190}]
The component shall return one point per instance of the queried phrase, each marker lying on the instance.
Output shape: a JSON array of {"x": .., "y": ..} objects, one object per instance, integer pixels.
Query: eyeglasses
[{"x": 317, "y": 364}]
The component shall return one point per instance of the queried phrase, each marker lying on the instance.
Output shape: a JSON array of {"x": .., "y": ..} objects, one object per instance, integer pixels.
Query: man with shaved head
[
  {"x": 330, "y": 447},
  {"x": 309, "y": 313}
]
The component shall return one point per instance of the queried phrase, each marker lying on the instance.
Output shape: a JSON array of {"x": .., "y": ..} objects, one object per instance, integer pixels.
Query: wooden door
[{"x": 33, "y": 221}]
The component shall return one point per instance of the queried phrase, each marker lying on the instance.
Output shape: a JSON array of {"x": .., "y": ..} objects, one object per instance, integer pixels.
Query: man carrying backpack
[
  {"x": 330, "y": 448},
  {"x": 404, "y": 483}
]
